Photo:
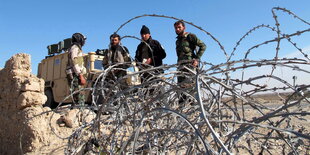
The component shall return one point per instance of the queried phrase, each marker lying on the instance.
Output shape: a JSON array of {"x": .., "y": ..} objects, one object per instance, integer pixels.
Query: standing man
[
  {"x": 75, "y": 67},
  {"x": 117, "y": 54},
  {"x": 186, "y": 45},
  {"x": 149, "y": 51}
]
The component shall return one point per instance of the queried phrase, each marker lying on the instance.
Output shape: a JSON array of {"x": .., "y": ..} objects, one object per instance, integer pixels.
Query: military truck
[{"x": 53, "y": 70}]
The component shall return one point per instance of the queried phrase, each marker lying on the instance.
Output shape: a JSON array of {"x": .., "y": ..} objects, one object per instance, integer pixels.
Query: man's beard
[
  {"x": 180, "y": 33},
  {"x": 113, "y": 47}
]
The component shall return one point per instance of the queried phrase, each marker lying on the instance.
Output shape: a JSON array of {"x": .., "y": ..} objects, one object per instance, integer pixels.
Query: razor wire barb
[
  {"x": 170, "y": 17},
  {"x": 212, "y": 112}
]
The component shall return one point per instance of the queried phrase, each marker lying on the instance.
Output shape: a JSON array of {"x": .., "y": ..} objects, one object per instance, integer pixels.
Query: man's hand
[
  {"x": 82, "y": 80},
  {"x": 195, "y": 62},
  {"x": 148, "y": 61}
]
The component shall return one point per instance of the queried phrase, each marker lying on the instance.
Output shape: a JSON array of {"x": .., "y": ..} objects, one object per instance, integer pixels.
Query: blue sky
[{"x": 29, "y": 26}]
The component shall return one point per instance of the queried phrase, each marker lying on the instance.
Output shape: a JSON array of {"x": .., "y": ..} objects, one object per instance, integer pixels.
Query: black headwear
[
  {"x": 145, "y": 30},
  {"x": 78, "y": 39}
]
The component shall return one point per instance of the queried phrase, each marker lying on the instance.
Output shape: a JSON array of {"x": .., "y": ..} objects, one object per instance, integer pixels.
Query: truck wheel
[{"x": 50, "y": 99}]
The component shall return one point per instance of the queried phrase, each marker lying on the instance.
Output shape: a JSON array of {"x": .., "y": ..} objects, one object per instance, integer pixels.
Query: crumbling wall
[
  {"x": 26, "y": 126},
  {"x": 21, "y": 97}
]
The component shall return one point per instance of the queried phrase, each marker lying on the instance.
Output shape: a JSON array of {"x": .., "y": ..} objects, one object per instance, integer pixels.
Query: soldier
[
  {"x": 186, "y": 45},
  {"x": 149, "y": 51},
  {"x": 75, "y": 67}
]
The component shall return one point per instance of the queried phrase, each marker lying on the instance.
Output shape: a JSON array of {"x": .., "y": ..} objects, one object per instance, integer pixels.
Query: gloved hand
[{"x": 82, "y": 80}]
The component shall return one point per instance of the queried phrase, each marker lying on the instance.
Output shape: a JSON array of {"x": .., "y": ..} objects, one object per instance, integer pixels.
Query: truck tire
[{"x": 50, "y": 99}]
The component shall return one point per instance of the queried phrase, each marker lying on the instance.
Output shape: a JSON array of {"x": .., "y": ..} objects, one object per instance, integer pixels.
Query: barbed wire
[
  {"x": 174, "y": 18},
  {"x": 212, "y": 112}
]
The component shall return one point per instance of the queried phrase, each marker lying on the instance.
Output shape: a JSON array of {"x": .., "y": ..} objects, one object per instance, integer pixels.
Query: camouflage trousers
[
  {"x": 78, "y": 96},
  {"x": 185, "y": 82}
]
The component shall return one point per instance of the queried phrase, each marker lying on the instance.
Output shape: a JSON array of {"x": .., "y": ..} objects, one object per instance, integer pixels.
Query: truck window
[
  {"x": 57, "y": 62},
  {"x": 98, "y": 65}
]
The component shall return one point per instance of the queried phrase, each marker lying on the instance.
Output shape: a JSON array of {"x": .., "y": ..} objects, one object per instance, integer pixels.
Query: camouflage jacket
[
  {"x": 186, "y": 45},
  {"x": 75, "y": 59}
]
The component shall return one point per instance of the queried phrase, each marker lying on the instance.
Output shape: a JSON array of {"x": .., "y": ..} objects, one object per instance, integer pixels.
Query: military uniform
[
  {"x": 76, "y": 62},
  {"x": 186, "y": 45},
  {"x": 75, "y": 67},
  {"x": 185, "y": 48}
]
